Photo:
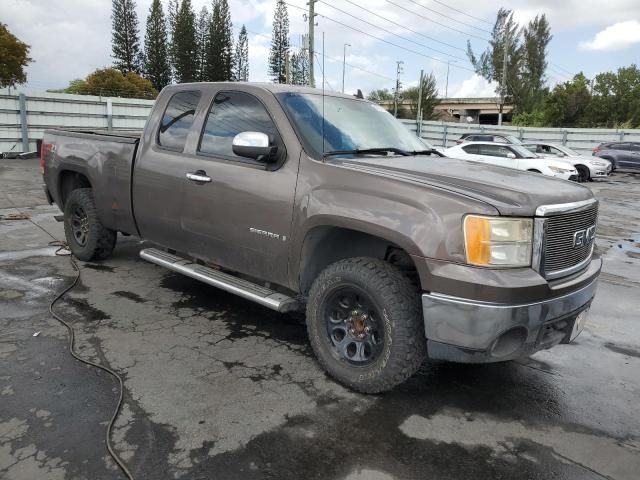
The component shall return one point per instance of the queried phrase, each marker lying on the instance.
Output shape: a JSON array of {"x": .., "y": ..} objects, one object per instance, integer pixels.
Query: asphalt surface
[{"x": 220, "y": 388}]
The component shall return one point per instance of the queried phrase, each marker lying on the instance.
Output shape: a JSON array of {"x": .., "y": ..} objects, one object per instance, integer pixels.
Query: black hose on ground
[{"x": 63, "y": 250}]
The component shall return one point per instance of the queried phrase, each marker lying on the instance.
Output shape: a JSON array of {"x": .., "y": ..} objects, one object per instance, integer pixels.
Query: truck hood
[{"x": 512, "y": 192}]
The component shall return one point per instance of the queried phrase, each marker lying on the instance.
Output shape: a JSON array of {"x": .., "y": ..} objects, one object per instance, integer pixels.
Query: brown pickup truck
[{"x": 291, "y": 198}]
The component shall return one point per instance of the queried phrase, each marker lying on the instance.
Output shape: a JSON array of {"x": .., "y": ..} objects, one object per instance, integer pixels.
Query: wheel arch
[
  {"x": 70, "y": 180},
  {"x": 326, "y": 244}
]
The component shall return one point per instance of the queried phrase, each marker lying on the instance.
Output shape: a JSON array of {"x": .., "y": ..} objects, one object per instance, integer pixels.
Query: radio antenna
[{"x": 323, "y": 80}]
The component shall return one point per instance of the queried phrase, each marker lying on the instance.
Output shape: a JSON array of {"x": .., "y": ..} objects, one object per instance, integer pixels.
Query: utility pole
[
  {"x": 503, "y": 82},
  {"x": 287, "y": 72},
  {"x": 344, "y": 62},
  {"x": 312, "y": 23},
  {"x": 419, "y": 116},
  {"x": 396, "y": 96}
]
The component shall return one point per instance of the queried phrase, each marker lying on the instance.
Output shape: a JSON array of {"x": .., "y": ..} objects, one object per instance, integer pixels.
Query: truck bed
[{"x": 105, "y": 159}]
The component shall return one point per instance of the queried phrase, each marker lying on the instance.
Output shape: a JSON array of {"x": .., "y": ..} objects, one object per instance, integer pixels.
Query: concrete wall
[
  {"x": 24, "y": 117},
  {"x": 583, "y": 140}
]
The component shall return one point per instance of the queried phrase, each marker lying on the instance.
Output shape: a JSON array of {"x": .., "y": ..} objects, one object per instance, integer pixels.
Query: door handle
[{"x": 199, "y": 176}]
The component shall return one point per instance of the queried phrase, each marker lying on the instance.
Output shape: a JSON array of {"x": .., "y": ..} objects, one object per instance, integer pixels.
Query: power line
[
  {"x": 450, "y": 18},
  {"x": 335, "y": 59},
  {"x": 463, "y": 13},
  {"x": 392, "y": 33},
  {"x": 562, "y": 68},
  {"x": 437, "y": 23},
  {"x": 324, "y": 77},
  {"x": 382, "y": 39},
  {"x": 406, "y": 28}
]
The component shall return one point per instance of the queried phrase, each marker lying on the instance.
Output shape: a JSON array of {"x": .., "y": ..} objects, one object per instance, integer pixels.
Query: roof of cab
[{"x": 271, "y": 87}]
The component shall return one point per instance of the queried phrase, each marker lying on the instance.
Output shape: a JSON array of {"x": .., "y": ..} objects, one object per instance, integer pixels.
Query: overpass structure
[{"x": 465, "y": 110}]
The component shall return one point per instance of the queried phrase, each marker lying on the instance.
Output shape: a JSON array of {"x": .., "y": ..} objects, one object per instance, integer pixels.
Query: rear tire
[
  {"x": 364, "y": 321},
  {"x": 87, "y": 238},
  {"x": 584, "y": 175}
]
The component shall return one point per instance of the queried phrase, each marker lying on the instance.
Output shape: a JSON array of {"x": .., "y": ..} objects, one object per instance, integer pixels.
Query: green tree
[
  {"x": 125, "y": 43},
  {"x": 616, "y": 98},
  {"x": 184, "y": 44},
  {"x": 380, "y": 94},
  {"x": 241, "y": 60},
  {"x": 299, "y": 67},
  {"x": 429, "y": 97},
  {"x": 279, "y": 44},
  {"x": 112, "y": 83},
  {"x": 202, "y": 39},
  {"x": 14, "y": 57},
  {"x": 220, "y": 54},
  {"x": 156, "y": 65},
  {"x": 532, "y": 91},
  {"x": 568, "y": 104}
]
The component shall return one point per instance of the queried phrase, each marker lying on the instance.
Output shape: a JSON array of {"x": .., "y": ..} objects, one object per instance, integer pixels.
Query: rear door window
[
  {"x": 177, "y": 120},
  {"x": 494, "y": 150},
  {"x": 472, "y": 149}
]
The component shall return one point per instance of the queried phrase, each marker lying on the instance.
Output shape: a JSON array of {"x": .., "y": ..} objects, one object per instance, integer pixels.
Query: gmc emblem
[{"x": 584, "y": 237}]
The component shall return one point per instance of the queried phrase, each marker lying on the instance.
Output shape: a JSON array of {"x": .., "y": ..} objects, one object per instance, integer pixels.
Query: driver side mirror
[
  {"x": 254, "y": 145},
  {"x": 511, "y": 155}
]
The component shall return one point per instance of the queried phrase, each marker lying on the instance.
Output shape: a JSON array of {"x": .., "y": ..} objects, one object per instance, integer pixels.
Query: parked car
[
  {"x": 588, "y": 167},
  {"x": 513, "y": 156},
  {"x": 625, "y": 155},
  {"x": 488, "y": 137},
  {"x": 292, "y": 199}
]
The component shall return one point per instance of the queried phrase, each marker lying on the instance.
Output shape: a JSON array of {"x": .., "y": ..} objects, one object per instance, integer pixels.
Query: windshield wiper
[
  {"x": 364, "y": 151},
  {"x": 428, "y": 151}
]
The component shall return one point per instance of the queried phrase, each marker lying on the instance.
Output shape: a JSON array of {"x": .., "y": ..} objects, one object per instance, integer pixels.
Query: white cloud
[
  {"x": 476, "y": 86},
  {"x": 615, "y": 37}
]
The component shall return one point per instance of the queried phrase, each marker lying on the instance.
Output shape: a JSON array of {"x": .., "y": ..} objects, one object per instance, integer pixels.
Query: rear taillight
[
  {"x": 596, "y": 150},
  {"x": 459, "y": 141},
  {"x": 44, "y": 149}
]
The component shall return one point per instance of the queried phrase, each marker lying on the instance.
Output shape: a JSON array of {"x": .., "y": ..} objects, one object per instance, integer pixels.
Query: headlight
[
  {"x": 498, "y": 241},
  {"x": 598, "y": 164},
  {"x": 560, "y": 170}
]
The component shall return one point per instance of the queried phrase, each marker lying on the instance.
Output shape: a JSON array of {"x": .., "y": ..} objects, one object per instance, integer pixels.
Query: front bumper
[
  {"x": 473, "y": 331},
  {"x": 597, "y": 171}
]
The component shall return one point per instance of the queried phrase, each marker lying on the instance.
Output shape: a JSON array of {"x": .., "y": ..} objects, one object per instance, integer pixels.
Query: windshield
[
  {"x": 524, "y": 152},
  {"x": 512, "y": 139},
  {"x": 568, "y": 151},
  {"x": 349, "y": 124}
]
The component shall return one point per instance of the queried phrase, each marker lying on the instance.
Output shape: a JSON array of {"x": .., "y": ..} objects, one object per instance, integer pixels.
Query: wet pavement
[{"x": 218, "y": 387}]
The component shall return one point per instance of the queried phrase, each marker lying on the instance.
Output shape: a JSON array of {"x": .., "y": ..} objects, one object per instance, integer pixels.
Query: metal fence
[
  {"x": 582, "y": 140},
  {"x": 25, "y": 116}
]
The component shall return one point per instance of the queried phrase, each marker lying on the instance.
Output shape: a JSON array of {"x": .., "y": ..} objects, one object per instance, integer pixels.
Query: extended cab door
[
  {"x": 158, "y": 176},
  {"x": 239, "y": 215}
]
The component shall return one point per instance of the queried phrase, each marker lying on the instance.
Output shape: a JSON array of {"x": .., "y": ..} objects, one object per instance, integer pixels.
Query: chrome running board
[{"x": 230, "y": 283}]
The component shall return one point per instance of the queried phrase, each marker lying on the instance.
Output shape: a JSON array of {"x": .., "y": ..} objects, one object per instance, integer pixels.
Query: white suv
[{"x": 513, "y": 156}]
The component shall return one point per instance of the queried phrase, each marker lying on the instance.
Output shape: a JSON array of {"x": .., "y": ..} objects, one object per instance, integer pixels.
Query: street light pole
[
  {"x": 344, "y": 62},
  {"x": 446, "y": 88}
]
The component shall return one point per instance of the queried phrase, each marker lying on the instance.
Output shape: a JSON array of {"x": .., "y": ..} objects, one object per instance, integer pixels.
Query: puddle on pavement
[{"x": 22, "y": 254}]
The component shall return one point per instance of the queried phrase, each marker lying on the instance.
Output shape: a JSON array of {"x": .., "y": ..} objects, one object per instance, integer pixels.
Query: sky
[{"x": 71, "y": 38}]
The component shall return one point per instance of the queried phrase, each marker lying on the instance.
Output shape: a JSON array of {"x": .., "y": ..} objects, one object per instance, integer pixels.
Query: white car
[
  {"x": 588, "y": 167},
  {"x": 513, "y": 156}
]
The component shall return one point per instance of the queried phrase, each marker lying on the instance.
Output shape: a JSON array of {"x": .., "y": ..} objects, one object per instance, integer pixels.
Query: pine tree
[
  {"x": 220, "y": 53},
  {"x": 156, "y": 65},
  {"x": 279, "y": 44},
  {"x": 202, "y": 39},
  {"x": 241, "y": 61},
  {"x": 125, "y": 43},
  {"x": 184, "y": 45}
]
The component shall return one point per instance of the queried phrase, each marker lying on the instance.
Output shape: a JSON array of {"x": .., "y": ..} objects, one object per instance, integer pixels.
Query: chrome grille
[{"x": 559, "y": 252}]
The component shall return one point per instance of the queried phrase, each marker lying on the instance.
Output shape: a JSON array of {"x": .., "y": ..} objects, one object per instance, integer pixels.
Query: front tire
[
  {"x": 87, "y": 238},
  {"x": 365, "y": 324},
  {"x": 583, "y": 173}
]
